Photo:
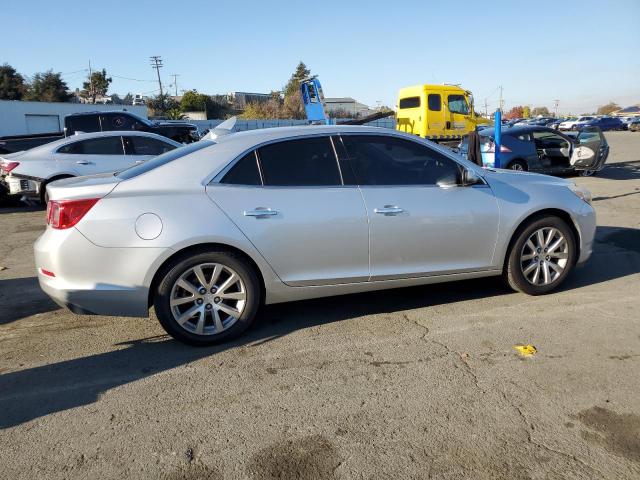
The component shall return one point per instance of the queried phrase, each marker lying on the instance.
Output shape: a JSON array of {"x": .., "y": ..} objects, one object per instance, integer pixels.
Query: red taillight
[
  {"x": 6, "y": 167},
  {"x": 47, "y": 272},
  {"x": 63, "y": 214}
]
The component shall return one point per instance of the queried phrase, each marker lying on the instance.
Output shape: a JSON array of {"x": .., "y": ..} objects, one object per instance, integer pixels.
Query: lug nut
[
  {"x": 199, "y": 301},
  {"x": 214, "y": 290},
  {"x": 202, "y": 291},
  {"x": 216, "y": 300},
  {"x": 208, "y": 306}
]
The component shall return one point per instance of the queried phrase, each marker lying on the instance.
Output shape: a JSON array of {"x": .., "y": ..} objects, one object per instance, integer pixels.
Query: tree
[
  {"x": 526, "y": 111},
  {"x": 97, "y": 84},
  {"x": 160, "y": 104},
  {"x": 175, "y": 114},
  {"x": 515, "y": 112},
  {"x": 608, "y": 109},
  {"x": 293, "y": 106},
  {"x": 540, "y": 111},
  {"x": 115, "y": 98},
  {"x": 128, "y": 99},
  {"x": 48, "y": 87},
  {"x": 12, "y": 85},
  {"x": 192, "y": 101}
]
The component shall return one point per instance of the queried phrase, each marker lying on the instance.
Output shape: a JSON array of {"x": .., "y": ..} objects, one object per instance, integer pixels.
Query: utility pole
[
  {"x": 500, "y": 105},
  {"x": 156, "y": 62},
  {"x": 175, "y": 81},
  {"x": 486, "y": 109},
  {"x": 93, "y": 99},
  {"x": 556, "y": 108}
]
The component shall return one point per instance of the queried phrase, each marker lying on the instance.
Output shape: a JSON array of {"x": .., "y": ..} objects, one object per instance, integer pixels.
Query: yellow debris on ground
[{"x": 526, "y": 350}]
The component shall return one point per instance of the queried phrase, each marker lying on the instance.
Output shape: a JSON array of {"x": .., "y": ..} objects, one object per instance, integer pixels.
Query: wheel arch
[
  {"x": 518, "y": 159},
  {"x": 199, "y": 248},
  {"x": 53, "y": 178},
  {"x": 557, "y": 212}
]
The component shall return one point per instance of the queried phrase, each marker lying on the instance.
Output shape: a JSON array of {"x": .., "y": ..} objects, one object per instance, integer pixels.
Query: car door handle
[
  {"x": 388, "y": 210},
  {"x": 83, "y": 162},
  {"x": 260, "y": 212}
]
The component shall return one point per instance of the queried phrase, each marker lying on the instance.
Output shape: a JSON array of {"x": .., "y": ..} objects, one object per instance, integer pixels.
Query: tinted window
[
  {"x": 458, "y": 104},
  {"x": 304, "y": 162},
  {"x": 435, "y": 102},
  {"x": 395, "y": 161},
  {"x": 147, "y": 146},
  {"x": 83, "y": 123},
  {"x": 95, "y": 146},
  {"x": 546, "y": 139},
  {"x": 410, "y": 102},
  {"x": 244, "y": 172}
]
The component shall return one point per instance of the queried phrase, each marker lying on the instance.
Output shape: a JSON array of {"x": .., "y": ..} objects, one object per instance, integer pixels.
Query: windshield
[
  {"x": 140, "y": 119},
  {"x": 163, "y": 159}
]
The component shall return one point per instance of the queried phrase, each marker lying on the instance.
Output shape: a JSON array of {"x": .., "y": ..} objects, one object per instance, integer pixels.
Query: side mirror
[{"x": 469, "y": 177}]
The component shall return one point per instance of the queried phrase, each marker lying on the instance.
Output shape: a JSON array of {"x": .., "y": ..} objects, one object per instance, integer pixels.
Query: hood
[
  {"x": 509, "y": 176},
  {"x": 191, "y": 126}
]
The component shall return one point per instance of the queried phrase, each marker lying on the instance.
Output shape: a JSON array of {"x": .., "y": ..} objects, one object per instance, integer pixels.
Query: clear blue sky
[{"x": 582, "y": 52}]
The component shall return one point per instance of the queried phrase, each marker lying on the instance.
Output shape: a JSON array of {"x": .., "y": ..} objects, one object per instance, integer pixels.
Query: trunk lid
[{"x": 91, "y": 186}]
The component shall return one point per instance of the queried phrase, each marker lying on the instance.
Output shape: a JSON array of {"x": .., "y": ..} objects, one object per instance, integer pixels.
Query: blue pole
[{"x": 497, "y": 137}]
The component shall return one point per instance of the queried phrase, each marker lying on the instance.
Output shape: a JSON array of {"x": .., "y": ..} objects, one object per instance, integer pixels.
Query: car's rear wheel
[
  {"x": 518, "y": 165},
  {"x": 207, "y": 297},
  {"x": 541, "y": 256}
]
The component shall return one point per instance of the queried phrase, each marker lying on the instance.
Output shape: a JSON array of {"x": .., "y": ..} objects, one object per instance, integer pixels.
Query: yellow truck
[{"x": 437, "y": 112}]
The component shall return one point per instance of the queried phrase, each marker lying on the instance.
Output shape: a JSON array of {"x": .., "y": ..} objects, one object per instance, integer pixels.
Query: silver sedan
[{"x": 209, "y": 232}]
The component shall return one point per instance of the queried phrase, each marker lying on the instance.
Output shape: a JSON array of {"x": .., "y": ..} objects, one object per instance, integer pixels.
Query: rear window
[
  {"x": 409, "y": 102},
  {"x": 162, "y": 159},
  {"x": 435, "y": 102}
]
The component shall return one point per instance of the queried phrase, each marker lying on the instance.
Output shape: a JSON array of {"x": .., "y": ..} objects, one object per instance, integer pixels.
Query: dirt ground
[{"x": 413, "y": 383}]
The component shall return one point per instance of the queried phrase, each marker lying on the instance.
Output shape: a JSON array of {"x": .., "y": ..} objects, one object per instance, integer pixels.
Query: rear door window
[
  {"x": 83, "y": 123},
  {"x": 304, "y": 162},
  {"x": 435, "y": 102},
  {"x": 385, "y": 160},
  {"x": 244, "y": 172},
  {"x": 95, "y": 146},
  {"x": 138, "y": 145}
]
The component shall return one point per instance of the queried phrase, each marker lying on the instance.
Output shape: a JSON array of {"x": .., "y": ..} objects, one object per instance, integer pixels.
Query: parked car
[
  {"x": 29, "y": 172},
  {"x": 603, "y": 123},
  {"x": 634, "y": 125},
  {"x": 544, "y": 150},
  {"x": 102, "y": 122},
  {"x": 209, "y": 232},
  {"x": 570, "y": 124}
]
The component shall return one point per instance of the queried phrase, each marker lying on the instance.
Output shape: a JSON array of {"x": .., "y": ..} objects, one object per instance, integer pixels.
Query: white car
[
  {"x": 29, "y": 172},
  {"x": 571, "y": 124}
]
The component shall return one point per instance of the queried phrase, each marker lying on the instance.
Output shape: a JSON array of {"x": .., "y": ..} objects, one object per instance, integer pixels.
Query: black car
[
  {"x": 87, "y": 122},
  {"x": 544, "y": 150}
]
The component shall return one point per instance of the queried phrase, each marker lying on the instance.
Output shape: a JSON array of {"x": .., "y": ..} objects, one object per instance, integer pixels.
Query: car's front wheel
[
  {"x": 541, "y": 256},
  {"x": 518, "y": 165},
  {"x": 207, "y": 297}
]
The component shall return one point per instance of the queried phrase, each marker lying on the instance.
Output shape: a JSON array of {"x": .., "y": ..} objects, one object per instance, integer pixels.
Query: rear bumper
[
  {"x": 17, "y": 185},
  {"x": 94, "y": 280}
]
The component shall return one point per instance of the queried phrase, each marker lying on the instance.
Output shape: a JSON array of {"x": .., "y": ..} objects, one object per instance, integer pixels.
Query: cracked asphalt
[{"x": 413, "y": 383}]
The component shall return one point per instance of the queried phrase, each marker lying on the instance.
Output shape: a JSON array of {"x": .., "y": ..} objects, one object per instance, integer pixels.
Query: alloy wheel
[
  {"x": 518, "y": 167},
  {"x": 544, "y": 256},
  {"x": 208, "y": 299}
]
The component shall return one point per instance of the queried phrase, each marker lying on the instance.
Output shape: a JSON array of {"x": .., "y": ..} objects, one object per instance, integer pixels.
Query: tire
[
  {"x": 518, "y": 165},
  {"x": 574, "y": 128},
  {"x": 210, "y": 304},
  {"x": 519, "y": 271}
]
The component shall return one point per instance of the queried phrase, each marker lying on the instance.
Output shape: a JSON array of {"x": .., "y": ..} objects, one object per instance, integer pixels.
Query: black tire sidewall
[
  {"x": 514, "y": 273},
  {"x": 178, "y": 267}
]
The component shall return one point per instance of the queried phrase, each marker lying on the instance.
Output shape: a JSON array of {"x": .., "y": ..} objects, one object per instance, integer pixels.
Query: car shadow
[
  {"x": 35, "y": 392},
  {"x": 21, "y": 298},
  {"x": 621, "y": 170}
]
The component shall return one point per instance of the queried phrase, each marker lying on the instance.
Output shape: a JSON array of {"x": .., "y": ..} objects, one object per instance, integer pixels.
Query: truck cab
[{"x": 436, "y": 112}]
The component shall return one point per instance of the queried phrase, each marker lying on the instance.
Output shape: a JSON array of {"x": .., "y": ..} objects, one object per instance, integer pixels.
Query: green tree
[
  {"x": 12, "y": 85},
  {"x": 543, "y": 111},
  {"x": 97, "y": 84},
  {"x": 127, "y": 99},
  {"x": 608, "y": 109},
  {"x": 192, "y": 101},
  {"x": 161, "y": 104},
  {"x": 174, "y": 114},
  {"x": 48, "y": 87},
  {"x": 293, "y": 106},
  {"x": 526, "y": 111}
]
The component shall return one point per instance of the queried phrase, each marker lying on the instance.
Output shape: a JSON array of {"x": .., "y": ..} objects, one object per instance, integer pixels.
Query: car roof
[
  {"x": 112, "y": 133},
  {"x": 517, "y": 128}
]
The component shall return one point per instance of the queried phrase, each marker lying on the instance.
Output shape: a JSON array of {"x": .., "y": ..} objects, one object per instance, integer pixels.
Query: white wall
[{"x": 22, "y": 118}]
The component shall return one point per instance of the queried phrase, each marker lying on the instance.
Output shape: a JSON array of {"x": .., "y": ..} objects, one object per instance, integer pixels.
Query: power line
[{"x": 132, "y": 79}]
